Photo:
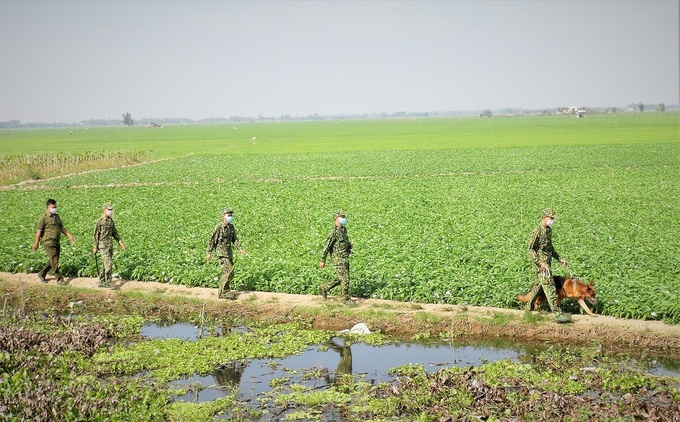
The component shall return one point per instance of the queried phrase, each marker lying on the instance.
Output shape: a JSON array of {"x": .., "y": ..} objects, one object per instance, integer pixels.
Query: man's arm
[
  {"x": 556, "y": 255},
  {"x": 328, "y": 248},
  {"x": 239, "y": 247},
  {"x": 237, "y": 243},
  {"x": 212, "y": 244},
  {"x": 95, "y": 248},
  {"x": 114, "y": 232},
  {"x": 533, "y": 248},
  {"x": 68, "y": 234},
  {"x": 38, "y": 235}
]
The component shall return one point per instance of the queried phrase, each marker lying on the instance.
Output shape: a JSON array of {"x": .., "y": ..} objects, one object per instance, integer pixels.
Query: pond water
[{"x": 253, "y": 377}]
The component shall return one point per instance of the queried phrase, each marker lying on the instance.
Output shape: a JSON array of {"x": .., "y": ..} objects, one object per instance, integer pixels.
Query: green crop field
[
  {"x": 439, "y": 210},
  {"x": 336, "y": 136}
]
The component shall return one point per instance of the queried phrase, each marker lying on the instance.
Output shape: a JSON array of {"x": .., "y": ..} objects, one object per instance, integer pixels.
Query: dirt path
[{"x": 283, "y": 303}]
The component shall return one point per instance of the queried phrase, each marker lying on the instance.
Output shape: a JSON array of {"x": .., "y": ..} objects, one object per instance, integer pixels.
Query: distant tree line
[{"x": 127, "y": 118}]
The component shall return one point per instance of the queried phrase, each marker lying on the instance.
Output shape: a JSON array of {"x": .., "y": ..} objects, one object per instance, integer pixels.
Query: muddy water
[{"x": 253, "y": 377}]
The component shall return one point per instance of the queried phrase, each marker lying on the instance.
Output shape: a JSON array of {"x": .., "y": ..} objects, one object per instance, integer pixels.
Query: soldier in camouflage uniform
[
  {"x": 542, "y": 252},
  {"x": 222, "y": 239},
  {"x": 104, "y": 234},
  {"x": 339, "y": 247},
  {"x": 50, "y": 228}
]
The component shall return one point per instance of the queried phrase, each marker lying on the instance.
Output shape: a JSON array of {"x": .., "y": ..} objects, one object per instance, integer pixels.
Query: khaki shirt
[{"x": 50, "y": 226}]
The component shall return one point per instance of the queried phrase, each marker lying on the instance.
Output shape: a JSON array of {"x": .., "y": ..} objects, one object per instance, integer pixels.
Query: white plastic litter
[{"x": 360, "y": 328}]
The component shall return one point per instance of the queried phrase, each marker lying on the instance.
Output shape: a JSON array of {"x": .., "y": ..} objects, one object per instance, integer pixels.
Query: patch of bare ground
[{"x": 397, "y": 319}]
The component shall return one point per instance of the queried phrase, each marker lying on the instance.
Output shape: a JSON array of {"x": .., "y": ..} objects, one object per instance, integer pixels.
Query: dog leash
[{"x": 546, "y": 273}]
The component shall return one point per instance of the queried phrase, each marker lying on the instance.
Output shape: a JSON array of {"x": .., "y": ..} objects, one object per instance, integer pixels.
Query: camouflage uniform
[
  {"x": 541, "y": 251},
  {"x": 50, "y": 226},
  {"x": 104, "y": 234},
  {"x": 339, "y": 247},
  {"x": 223, "y": 236}
]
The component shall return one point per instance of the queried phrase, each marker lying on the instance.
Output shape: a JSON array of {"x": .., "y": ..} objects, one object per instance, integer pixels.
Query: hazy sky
[{"x": 65, "y": 61}]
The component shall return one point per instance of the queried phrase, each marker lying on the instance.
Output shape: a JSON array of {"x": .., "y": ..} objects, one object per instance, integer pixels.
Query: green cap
[
  {"x": 227, "y": 211},
  {"x": 339, "y": 214},
  {"x": 107, "y": 206},
  {"x": 549, "y": 212}
]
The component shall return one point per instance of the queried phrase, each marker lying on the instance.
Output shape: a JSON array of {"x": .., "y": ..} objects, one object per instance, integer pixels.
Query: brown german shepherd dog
[{"x": 567, "y": 288}]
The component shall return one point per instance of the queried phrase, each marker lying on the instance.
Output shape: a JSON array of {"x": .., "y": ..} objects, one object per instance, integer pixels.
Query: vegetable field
[{"x": 443, "y": 219}]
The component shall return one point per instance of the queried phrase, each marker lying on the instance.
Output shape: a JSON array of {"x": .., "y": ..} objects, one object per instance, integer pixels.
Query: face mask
[
  {"x": 228, "y": 218},
  {"x": 52, "y": 210},
  {"x": 343, "y": 221},
  {"x": 549, "y": 222},
  {"x": 108, "y": 212}
]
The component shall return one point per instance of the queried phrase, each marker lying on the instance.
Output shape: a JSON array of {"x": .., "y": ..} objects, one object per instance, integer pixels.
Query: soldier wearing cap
[
  {"x": 541, "y": 253},
  {"x": 50, "y": 229},
  {"x": 104, "y": 234},
  {"x": 222, "y": 239},
  {"x": 339, "y": 247}
]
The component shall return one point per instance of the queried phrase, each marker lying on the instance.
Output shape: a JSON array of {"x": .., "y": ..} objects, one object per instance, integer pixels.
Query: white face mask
[
  {"x": 108, "y": 212},
  {"x": 52, "y": 211},
  {"x": 228, "y": 218},
  {"x": 343, "y": 221},
  {"x": 549, "y": 222}
]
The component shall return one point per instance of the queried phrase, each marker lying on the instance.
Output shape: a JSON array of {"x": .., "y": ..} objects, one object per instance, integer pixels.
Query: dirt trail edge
[{"x": 406, "y": 318}]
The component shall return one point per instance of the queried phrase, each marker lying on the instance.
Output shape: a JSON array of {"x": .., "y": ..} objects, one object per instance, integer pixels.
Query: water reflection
[
  {"x": 344, "y": 366},
  {"x": 372, "y": 363},
  {"x": 179, "y": 331},
  {"x": 229, "y": 375}
]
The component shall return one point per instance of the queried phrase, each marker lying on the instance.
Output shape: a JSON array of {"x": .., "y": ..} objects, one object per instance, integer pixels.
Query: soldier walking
[
  {"x": 50, "y": 229},
  {"x": 542, "y": 252},
  {"x": 222, "y": 239},
  {"x": 340, "y": 248},
  {"x": 104, "y": 234}
]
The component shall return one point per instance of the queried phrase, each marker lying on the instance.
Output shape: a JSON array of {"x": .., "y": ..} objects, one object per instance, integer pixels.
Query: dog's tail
[{"x": 524, "y": 297}]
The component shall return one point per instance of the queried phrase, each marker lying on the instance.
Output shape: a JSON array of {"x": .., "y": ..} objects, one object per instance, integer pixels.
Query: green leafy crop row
[{"x": 446, "y": 226}]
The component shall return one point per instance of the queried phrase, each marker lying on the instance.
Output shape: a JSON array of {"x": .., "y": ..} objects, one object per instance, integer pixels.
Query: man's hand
[
  {"x": 94, "y": 251},
  {"x": 72, "y": 239},
  {"x": 35, "y": 246},
  {"x": 563, "y": 262},
  {"x": 322, "y": 264},
  {"x": 243, "y": 251},
  {"x": 122, "y": 245},
  {"x": 208, "y": 257}
]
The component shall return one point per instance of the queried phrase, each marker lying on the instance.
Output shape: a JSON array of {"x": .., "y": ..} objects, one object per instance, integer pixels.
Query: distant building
[{"x": 579, "y": 112}]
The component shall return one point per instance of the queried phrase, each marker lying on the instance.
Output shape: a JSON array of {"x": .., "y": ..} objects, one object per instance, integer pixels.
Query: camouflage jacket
[
  {"x": 541, "y": 249},
  {"x": 105, "y": 232},
  {"x": 222, "y": 239},
  {"x": 337, "y": 245}
]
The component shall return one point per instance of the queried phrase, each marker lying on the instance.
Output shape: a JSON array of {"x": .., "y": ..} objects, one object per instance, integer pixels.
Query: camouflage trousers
[
  {"x": 544, "y": 282},
  {"x": 342, "y": 278},
  {"x": 53, "y": 250},
  {"x": 227, "y": 275},
  {"x": 106, "y": 276}
]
